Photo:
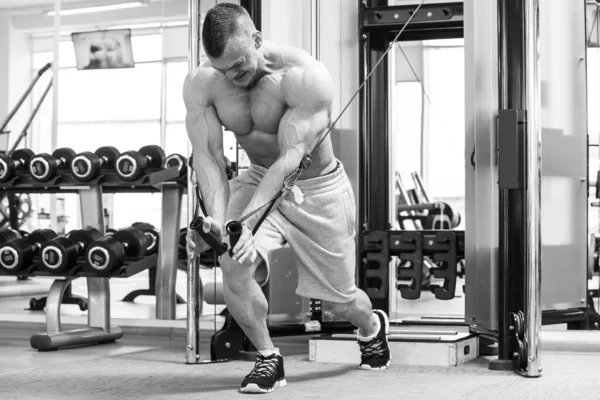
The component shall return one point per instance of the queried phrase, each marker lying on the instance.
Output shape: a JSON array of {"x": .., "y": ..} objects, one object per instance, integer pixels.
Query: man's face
[{"x": 238, "y": 62}]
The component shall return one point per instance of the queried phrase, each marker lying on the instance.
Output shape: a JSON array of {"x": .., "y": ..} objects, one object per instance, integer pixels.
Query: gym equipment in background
[
  {"x": 17, "y": 254},
  {"x": 133, "y": 164},
  {"x": 62, "y": 253},
  {"x": 43, "y": 167},
  {"x": 87, "y": 165}
]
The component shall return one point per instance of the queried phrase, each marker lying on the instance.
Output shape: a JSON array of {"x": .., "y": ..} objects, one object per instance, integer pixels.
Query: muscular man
[{"x": 277, "y": 100}]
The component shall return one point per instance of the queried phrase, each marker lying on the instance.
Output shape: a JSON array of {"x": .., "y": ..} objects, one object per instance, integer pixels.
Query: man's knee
[{"x": 238, "y": 276}]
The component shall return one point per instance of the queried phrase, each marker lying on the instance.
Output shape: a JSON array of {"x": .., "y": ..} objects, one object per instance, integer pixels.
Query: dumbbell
[
  {"x": 179, "y": 161},
  {"x": 19, "y": 253},
  {"x": 87, "y": 165},
  {"x": 62, "y": 253},
  {"x": 44, "y": 166},
  {"x": 151, "y": 233},
  {"x": 132, "y": 164},
  {"x": 10, "y": 164},
  {"x": 110, "y": 252}
]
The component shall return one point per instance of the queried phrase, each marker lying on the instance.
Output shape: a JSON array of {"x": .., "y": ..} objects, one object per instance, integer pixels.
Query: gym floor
[{"x": 149, "y": 361}]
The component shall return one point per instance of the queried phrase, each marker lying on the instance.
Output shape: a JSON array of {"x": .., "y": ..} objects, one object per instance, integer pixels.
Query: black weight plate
[
  {"x": 156, "y": 154},
  {"x": 41, "y": 236},
  {"x": 41, "y": 165},
  {"x": 24, "y": 155},
  {"x": 130, "y": 165},
  {"x": 58, "y": 253},
  {"x": 109, "y": 153},
  {"x": 7, "y": 235},
  {"x": 85, "y": 236},
  {"x": 7, "y": 168},
  {"x": 66, "y": 154},
  {"x": 135, "y": 240},
  {"x": 105, "y": 253},
  {"x": 178, "y": 161},
  {"x": 82, "y": 165}
]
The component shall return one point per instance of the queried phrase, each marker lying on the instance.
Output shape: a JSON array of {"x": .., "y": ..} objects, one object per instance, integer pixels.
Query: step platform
[{"x": 439, "y": 347}]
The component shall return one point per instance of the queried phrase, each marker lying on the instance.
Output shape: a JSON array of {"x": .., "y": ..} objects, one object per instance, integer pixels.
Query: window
[
  {"x": 444, "y": 77},
  {"x": 110, "y": 95}
]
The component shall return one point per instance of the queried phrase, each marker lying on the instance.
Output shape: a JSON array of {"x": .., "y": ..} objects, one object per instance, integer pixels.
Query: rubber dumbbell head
[
  {"x": 87, "y": 165},
  {"x": 110, "y": 252},
  {"x": 18, "y": 253},
  {"x": 44, "y": 166},
  {"x": 62, "y": 253},
  {"x": 177, "y": 161},
  {"x": 10, "y": 164},
  {"x": 131, "y": 165},
  {"x": 152, "y": 236}
]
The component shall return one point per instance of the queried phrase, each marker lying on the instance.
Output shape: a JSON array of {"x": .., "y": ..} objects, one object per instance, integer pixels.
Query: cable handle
[
  {"x": 233, "y": 228},
  {"x": 209, "y": 237}
]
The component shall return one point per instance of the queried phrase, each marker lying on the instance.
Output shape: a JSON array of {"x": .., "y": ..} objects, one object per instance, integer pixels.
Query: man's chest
[{"x": 261, "y": 108}]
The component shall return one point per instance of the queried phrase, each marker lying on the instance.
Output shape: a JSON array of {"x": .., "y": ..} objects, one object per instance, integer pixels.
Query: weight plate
[
  {"x": 156, "y": 154},
  {"x": 110, "y": 154},
  {"x": 135, "y": 240},
  {"x": 65, "y": 154},
  {"x": 39, "y": 166},
  {"x": 82, "y": 164},
  {"x": 178, "y": 161},
  {"x": 23, "y": 155},
  {"x": 130, "y": 165}
]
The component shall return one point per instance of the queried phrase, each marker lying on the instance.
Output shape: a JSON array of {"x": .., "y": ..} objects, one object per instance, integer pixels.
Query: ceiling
[{"x": 30, "y": 3}]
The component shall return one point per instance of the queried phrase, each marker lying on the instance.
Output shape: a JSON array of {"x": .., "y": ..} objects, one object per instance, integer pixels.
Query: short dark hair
[{"x": 220, "y": 25}]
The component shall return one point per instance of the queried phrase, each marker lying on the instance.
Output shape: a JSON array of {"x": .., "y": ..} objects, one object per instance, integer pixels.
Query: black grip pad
[
  {"x": 234, "y": 229},
  {"x": 209, "y": 237}
]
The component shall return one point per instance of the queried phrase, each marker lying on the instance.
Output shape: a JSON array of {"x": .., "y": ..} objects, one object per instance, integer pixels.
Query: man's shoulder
[
  {"x": 309, "y": 83},
  {"x": 199, "y": 83}
]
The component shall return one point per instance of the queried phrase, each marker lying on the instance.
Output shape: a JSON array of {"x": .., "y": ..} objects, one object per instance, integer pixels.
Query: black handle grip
[
  {"x": 210, "y": 238},
  {"x": 44, "y": 69},
  {"x": 234, "y": 229}
]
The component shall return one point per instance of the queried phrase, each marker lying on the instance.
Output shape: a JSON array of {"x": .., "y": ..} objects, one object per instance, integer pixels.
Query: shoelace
[
  {"x": 264, "y": 367},
  {"x": 372, "y": 349}
]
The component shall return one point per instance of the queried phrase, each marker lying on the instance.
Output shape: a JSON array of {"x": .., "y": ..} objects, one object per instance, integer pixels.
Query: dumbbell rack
[{"x": 99, "y": 329}]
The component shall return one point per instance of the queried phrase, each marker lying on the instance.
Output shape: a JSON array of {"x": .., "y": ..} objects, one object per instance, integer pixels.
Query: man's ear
[{"x": 258, "y": 39}]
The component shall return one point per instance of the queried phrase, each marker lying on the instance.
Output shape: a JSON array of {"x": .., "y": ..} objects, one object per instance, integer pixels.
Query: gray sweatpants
[{"x": 320, "y": 231}]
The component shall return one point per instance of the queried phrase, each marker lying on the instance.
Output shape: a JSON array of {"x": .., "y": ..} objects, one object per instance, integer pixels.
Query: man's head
[{"x": 232, "y": 43}]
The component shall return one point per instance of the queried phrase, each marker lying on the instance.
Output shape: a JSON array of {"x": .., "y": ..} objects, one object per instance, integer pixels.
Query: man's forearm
[
  {"x": 271, "y": 184},
  {"x": 213, "y": 186}
]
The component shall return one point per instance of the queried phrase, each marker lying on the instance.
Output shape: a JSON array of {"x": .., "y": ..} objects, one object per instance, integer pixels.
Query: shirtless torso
[{"x": 283, "y": 114}]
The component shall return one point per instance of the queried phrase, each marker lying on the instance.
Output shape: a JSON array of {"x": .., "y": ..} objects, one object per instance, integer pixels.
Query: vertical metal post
[
  {"x": 192, "y": 354},
  {"x": 519, "y": 142},
  {"x": 374, "y": 171},
  {"x": 166, "y": 268},
  {"x": 512, "y": 235},
  {"x": 92, "y": 214},
  {"x": 533, "y": 310}
]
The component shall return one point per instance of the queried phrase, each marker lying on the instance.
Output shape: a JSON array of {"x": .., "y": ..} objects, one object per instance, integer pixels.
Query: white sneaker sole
[{"x": 254, "y": 388}]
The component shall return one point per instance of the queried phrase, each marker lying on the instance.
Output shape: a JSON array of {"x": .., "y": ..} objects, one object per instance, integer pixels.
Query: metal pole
[
  {"x": 533, "y": 313},
  {"x": 22, "y": 99},
  {"x": 31, "y": 117},
  {"x": 192, "y": 354}
]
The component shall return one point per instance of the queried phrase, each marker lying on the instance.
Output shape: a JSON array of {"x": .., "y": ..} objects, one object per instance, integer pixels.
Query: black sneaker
[
  {"x": 376, "y": 353},
  {"x": 266, "y": 375}
]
